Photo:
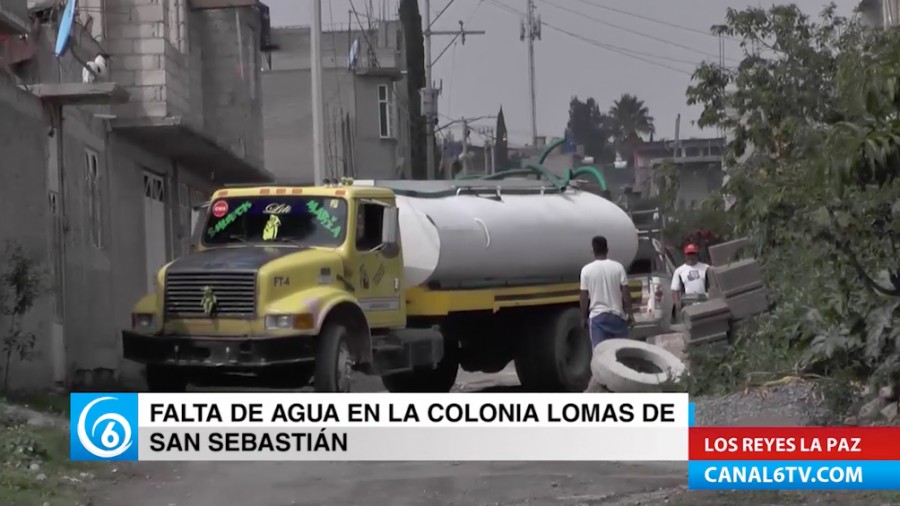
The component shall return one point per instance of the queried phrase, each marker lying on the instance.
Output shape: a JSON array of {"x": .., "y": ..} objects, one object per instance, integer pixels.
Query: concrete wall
[
  {"x": 23, "y": 141},
  {"x": 92, "y": 283},
  {"x": 200, "y": 66},
  {"x": 231, "y": 79},
  {"x": 287, "y": 106}
]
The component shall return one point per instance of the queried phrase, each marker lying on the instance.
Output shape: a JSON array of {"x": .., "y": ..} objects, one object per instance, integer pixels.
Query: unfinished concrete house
[{"x": 108, "y": 148}]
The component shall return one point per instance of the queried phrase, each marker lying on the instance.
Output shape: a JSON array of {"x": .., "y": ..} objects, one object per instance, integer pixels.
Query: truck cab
[{"x": 285, "y": 285}]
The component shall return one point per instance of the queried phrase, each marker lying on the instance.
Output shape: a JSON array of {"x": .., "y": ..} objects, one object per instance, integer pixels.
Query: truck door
[{"x": 378, "y": 284}]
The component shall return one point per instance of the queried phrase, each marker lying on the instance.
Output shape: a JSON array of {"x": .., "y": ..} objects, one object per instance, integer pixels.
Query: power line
[
  {"x": 652, "y": 20},
  {"x": 637, "y": 55},
  {"x": 634, "y": 32},
  {"x": 371, "y": 49}
]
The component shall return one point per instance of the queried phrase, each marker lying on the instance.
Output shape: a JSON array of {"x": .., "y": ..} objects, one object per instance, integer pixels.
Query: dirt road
[{"x": 393, "y": 483}]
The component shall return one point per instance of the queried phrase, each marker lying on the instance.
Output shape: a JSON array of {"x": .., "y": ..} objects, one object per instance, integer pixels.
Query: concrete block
[
  {"x": 140, "y": 62},
  {"x": 147, "y": 13},
  {"x": 709, "y": 328},
  {"x": 134, "y": 30},
  {"x": 150, "y": 46},
  {"x": 711, "y": 310},
  {"x": 741, "y": 290},
  {"x": 147, "y": 93},
  {"x": 150, "y": 77},
  {"x": 120, "y": 46},
  {"x": 749, "y": 304},
  {"x": 727, "y": 252},
  {"x": 735, "y": 275}
]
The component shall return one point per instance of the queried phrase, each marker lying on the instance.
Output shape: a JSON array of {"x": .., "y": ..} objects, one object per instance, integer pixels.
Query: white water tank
[{"x": 468, "y": 240}]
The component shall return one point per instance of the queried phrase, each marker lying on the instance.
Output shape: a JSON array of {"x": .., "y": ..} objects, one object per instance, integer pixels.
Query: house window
[
  {"x": 94, "y": 197},
  {"x": 177, "y": 29},
  {"x": 385, "y": 112}
]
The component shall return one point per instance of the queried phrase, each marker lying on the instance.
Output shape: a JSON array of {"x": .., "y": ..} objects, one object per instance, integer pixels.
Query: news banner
[{"x": 479, "y": 427}]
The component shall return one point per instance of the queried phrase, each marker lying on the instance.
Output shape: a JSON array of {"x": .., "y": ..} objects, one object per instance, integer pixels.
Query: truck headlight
[
  {"x": 141, "y": 320},
  {"x": 289, "y": 321}
]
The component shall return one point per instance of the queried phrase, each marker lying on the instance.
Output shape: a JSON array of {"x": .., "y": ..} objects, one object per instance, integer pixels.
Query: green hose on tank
[{"x": 529, "y": 169}]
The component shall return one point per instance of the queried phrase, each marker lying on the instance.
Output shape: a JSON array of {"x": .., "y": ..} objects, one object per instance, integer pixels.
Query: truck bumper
[{"x": 204, "y": 351}]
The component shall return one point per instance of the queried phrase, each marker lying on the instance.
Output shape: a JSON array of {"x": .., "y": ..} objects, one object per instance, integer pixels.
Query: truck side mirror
[{"x": 390, "y": 232}]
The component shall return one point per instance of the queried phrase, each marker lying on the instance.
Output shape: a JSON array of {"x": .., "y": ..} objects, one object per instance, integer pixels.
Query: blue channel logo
[{"x": 103, "y": 426}]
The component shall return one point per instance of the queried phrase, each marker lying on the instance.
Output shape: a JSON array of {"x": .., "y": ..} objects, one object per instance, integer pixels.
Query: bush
[{"x": 814, "y": 159}]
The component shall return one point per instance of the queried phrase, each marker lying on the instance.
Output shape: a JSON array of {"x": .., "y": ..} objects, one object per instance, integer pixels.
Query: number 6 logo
[{"x": 109, "y": 438}]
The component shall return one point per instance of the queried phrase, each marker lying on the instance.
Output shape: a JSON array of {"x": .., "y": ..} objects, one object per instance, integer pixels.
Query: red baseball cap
[{"x": 691, "y": 249}]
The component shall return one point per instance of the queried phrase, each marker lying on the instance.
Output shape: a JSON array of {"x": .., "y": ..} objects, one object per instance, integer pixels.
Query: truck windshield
[{"x": 304, "y": 220}]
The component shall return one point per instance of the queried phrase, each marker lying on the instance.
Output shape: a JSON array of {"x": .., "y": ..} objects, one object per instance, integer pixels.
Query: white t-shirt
[
  {"x": 603, "y": 281},
  {"x": 691, "y": 277}
]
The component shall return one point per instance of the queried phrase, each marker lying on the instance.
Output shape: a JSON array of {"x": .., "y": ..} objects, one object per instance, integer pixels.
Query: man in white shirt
[
  {"x": 605, "y": 297},
  {"x": 690, "y": 278}
]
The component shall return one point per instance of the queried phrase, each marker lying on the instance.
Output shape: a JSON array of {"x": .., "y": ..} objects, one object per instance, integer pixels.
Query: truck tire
[
  {"x": 441, "y": 379},
  {"x": 557, "y": 354},
  {"x": 164, "y": 379},
  {"x": 334, "y": 362}
]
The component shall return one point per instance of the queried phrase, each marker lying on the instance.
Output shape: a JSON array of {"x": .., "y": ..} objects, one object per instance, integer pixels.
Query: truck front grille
[{"x": 235, "y": 294}]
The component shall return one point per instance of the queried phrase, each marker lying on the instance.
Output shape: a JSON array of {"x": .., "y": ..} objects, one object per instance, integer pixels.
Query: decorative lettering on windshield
[
  {"x": 329, "y": 222},
  {"x": 228, "y": 219},
  {"x": 276, "y": 208},
  {"x": 270, "y": 231}
]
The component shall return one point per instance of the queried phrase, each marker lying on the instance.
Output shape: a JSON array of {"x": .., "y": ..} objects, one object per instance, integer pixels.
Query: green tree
[
  {"x": 590, "y": 128},
  {"x": 814, "y": 159},
  {"x": 630, "y": 118}
]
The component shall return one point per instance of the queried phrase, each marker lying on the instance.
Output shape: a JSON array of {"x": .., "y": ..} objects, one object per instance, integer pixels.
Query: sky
[{"x": 588, "y": 48}]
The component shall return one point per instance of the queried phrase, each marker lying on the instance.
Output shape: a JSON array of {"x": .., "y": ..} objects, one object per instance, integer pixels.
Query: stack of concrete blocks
[
  {"x": 736, "y": 293},
  {"x": 738, "y": 282},
  {"x": 707, "y": 323}
]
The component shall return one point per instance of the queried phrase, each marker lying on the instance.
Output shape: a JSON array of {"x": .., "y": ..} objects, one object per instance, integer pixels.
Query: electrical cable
[
  {"x": 637, "y": 55},
  {"x": 654, "y": 20},
  {"x": 631, "y": 31}
]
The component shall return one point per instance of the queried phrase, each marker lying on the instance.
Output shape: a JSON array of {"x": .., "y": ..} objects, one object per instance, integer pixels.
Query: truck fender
[
  {"x": 345, "y": 310},
  {"x": 147, "y": 304}
]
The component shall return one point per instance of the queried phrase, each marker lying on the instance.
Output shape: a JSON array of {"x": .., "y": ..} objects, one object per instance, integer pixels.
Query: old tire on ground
[
  {"x": 556, "y": 356},
  {"x": 627, "y": 366},
  {"x": 165, "y": 379},
  {"x": 441, "y": 379},
  {"x": 334, "y": 362}
]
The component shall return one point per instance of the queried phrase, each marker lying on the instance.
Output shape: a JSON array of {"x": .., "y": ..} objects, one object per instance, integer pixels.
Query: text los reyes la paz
[{"x": 524, "y": 412}]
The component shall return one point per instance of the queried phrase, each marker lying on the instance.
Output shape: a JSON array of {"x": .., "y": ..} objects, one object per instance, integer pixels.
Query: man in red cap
[{"x": 690, "y": 278}]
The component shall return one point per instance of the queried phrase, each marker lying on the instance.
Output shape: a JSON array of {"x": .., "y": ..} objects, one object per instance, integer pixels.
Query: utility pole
[
  {"x": 317, "y": 98},
  {"x": 465, "y": 146},
  {"x": 488, "y": 134},
  {"x": 531, "y": 31},
  {"x": 430, "y": 94}
]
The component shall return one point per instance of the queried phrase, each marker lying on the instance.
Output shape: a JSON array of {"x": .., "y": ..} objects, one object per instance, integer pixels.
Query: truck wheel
[
  {"x": 438, "y": 380},
  {"x": 557, "y": 354},
  {"x": 164, "y": 379},
  {"x": 334, "y": 362}
]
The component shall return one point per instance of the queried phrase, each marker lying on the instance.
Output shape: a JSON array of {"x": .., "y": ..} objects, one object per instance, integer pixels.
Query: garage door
[{"x": 154, "y": 226}]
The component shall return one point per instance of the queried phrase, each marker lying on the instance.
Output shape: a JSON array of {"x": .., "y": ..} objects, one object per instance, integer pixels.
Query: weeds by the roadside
[
  {"x": 34, "y": 465},
  {"x": 753, "y": 358}
]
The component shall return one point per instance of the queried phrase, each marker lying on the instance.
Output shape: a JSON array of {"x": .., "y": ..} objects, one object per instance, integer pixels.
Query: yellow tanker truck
[{"x": 408, "y": 280}]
